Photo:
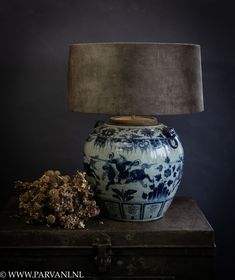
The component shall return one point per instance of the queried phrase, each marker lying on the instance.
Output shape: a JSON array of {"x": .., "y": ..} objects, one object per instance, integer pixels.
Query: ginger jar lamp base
[{"x": 135, "y": 165}]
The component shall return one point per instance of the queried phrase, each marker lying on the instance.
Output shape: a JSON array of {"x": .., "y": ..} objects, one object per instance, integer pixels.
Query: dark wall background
[{"x": 37, "y": 131}]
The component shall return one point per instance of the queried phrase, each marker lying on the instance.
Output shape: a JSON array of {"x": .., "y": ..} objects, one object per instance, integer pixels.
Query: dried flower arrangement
[{"x": 58, "y": 200}]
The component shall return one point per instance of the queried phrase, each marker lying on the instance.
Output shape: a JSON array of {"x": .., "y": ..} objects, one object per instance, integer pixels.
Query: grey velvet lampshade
[{"x": 135, "y": 78}]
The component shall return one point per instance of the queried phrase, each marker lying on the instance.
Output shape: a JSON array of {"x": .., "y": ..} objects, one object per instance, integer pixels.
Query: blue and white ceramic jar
[{"x": 135, "y": 170}]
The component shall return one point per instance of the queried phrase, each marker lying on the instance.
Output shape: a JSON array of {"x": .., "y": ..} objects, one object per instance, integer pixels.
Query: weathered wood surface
[
  {"x": 179, "y": 246},
  {"x": 183, "y": 225}
]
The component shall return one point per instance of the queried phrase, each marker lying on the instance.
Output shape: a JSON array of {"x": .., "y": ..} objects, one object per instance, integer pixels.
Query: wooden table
[{"x": 179, "y": 246}]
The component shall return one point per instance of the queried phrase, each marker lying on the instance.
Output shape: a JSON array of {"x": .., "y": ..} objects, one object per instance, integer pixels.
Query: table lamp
[{"x": 133, "y": 161}]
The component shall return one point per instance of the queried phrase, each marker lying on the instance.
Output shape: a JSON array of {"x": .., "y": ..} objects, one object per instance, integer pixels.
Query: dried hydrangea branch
[{"x": 58, "y": 200}]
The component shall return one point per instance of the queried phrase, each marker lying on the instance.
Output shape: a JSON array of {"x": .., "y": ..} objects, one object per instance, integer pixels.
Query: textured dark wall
[{"x": 37, "y": 131}]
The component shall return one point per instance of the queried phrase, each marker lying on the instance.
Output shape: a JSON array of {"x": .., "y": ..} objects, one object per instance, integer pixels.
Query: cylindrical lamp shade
[{"x": 135, "y": 78}]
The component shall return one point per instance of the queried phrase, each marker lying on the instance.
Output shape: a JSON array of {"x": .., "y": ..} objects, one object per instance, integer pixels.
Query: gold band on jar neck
[{"x": 134, "y": 120}]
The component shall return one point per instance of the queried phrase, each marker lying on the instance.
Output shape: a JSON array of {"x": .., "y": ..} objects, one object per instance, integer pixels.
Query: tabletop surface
[{"x": 184, "y": 224}]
